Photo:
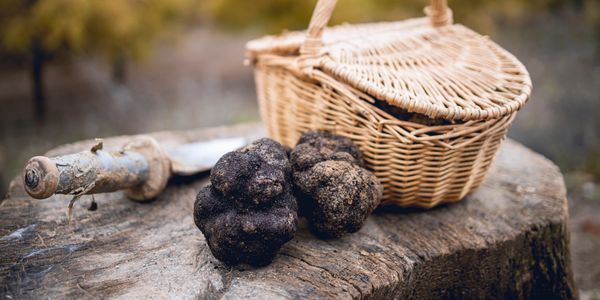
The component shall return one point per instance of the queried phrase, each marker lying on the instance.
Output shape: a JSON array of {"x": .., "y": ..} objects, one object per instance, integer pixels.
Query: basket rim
[{"x": 354, "y": 55}]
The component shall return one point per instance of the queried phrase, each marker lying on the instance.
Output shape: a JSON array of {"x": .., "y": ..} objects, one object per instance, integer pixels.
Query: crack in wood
[{"x": 330, "y": 273}]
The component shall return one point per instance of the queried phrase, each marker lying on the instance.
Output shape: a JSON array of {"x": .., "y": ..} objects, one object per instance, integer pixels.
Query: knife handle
[{"x": 141, "y": 168}]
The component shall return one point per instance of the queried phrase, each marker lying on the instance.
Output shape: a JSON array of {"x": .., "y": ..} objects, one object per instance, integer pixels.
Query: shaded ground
[
  {"x": 585, "y": 246},
  {"x": 200, "y": 82}
]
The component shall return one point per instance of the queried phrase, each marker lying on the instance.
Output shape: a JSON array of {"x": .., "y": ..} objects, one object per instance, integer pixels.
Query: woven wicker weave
[{"x": 334, "y": 79}]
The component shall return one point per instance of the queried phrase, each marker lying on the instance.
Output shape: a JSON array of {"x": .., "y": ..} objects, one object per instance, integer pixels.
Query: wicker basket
[{"x": 331, "y": 79}]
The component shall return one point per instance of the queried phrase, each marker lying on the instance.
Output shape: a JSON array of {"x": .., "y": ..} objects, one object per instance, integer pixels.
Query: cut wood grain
[{"x": 506, "y": 240}]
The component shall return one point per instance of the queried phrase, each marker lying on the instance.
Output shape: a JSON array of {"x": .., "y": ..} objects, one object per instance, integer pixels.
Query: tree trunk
[
  {"x": 119, "y": 69},
  {"x": 37, "y": 77},
  {"x": 507, "y": 240}
]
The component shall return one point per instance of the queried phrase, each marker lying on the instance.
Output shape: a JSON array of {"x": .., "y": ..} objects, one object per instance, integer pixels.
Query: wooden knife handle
[{"x": 141, "y": 169}]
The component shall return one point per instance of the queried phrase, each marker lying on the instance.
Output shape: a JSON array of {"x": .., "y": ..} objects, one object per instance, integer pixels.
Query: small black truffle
[
  {"x": 335, "y": 192},
  {"x": 248, "y": 211}
]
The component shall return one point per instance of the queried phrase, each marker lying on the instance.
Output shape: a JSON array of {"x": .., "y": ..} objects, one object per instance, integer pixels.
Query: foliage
[
  {"x": 129, "y": 27},
  {"x": 276, "y": 15},
  {"x": 115, "y": 28}
]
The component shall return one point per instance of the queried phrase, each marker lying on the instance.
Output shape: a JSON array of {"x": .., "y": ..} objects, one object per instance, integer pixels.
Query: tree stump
[{"x": 508, "y": 239}]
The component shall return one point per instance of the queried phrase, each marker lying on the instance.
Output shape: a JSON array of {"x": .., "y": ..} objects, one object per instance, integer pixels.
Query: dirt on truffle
[
  {"x": 334, "y": 191},
  {"x": 248, "y": 211}
]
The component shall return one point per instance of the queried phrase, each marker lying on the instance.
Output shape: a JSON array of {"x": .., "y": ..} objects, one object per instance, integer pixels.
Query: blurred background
[{"x": 79, "y": 69}]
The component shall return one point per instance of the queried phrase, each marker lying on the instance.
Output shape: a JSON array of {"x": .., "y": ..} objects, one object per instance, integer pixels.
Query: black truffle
[
  {"x": 248, "y": 211},
  {"x": 335, "y": 192},
  {"x": 316, "y": 146}
]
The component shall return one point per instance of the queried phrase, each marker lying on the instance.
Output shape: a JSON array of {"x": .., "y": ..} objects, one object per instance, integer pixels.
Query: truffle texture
[
  {"x": 335, "y": 192},
  {"x": 248, "y": 211},
  {"x": 315, "y": 146}
]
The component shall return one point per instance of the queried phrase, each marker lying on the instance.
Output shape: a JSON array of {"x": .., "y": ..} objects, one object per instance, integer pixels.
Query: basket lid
[{"x": 447, "y": 72}]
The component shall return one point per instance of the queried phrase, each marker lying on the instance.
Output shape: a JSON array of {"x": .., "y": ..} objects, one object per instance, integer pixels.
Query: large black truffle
[
  {"x": 335, "y": 192},
  {"x": 248, "y": 211}
]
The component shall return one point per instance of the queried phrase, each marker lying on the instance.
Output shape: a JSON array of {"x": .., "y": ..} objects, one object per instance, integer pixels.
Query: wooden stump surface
[{"x": 507, "y": 239}]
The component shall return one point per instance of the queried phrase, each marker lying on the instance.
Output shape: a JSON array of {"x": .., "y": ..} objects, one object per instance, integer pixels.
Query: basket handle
[{"x": 439, "y": 13}]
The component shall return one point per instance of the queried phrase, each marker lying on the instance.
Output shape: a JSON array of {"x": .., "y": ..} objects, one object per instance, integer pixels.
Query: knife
[{"x": 142, "y": 167}]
